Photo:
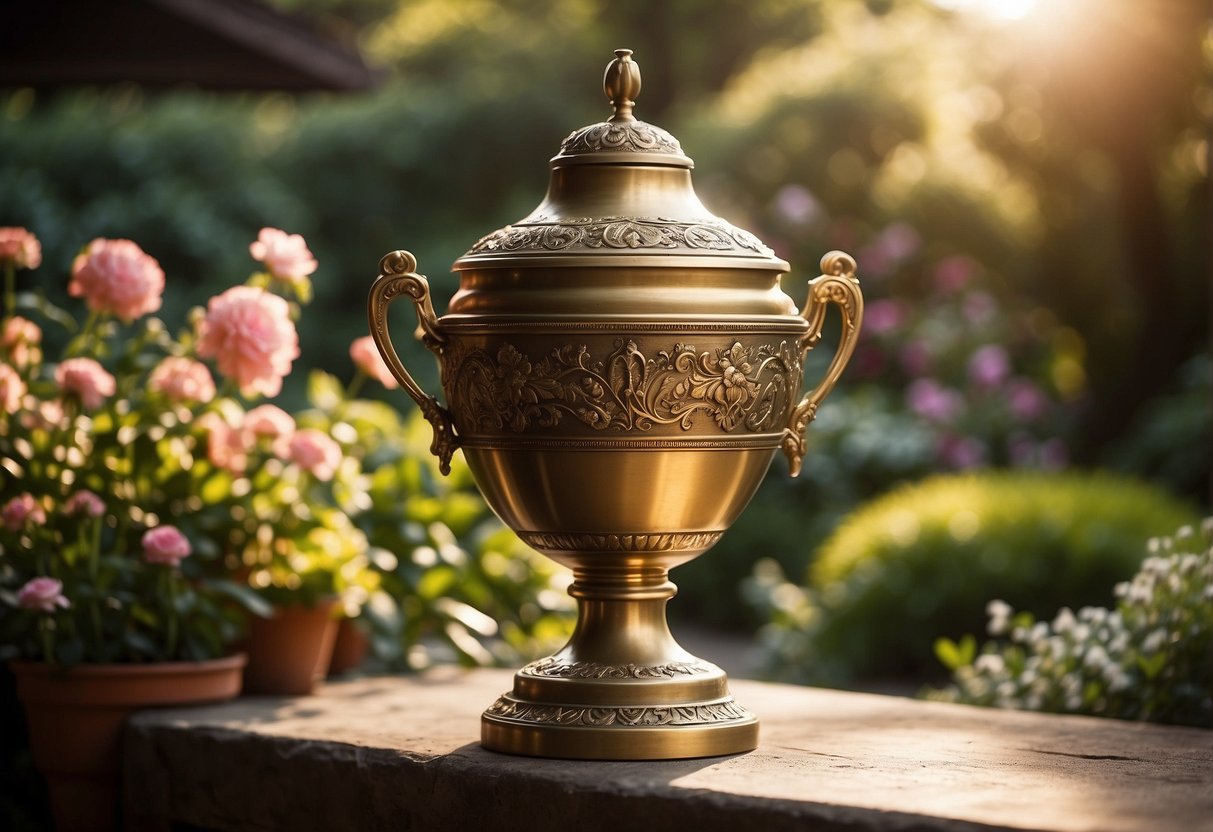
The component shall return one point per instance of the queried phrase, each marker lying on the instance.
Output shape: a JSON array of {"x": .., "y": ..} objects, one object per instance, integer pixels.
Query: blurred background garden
[{"x": 1024, "y": 185}]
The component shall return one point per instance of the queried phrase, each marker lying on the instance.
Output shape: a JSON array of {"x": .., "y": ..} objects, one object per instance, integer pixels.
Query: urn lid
[{"x": 620, "y": 194}]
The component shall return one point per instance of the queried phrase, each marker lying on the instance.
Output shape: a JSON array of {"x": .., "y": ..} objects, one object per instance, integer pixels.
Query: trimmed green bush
[{"x": 921, "y": 562}]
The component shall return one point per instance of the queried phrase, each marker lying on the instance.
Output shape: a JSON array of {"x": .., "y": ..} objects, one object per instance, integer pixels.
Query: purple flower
[
  {"x": 961, "y": 451},
  {"x": 883, "y": 316},
  {"x": 915, "y": 357},
  {"x": 979, "y": 308},
  {"x": 989, "y": 366},
  {"x": 1026, "y": 401},
  {"x": 892, "y": 245},
  {"x": 931, "y": 400},
  {"x": 796, "y": 205},
  {"x": 954, "y": 273}
]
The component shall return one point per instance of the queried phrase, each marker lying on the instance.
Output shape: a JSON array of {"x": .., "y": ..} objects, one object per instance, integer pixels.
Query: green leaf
[
  {"x": 245, "y": 596},
  {"x": 48, "y": 310},
  {"x": 955, "y": 655},
  {"x": 324, "y": 391}
]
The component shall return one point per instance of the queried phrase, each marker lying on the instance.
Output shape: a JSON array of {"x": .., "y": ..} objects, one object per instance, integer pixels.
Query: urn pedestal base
[{"x": 622, "y": 689}]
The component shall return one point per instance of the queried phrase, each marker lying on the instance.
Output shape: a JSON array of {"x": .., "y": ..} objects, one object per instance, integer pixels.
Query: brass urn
[{"x": 619, "y": 369}]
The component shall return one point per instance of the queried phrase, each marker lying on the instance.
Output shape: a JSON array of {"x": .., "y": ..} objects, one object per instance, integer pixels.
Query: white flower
[
  {"x": 1154, "y": 642},
  {"x": 1096, "y": 659},
  {"x": 1064, "y": 621},
  {"x": 1000, "y": 613},
  {"x": 990, "y": 663}
]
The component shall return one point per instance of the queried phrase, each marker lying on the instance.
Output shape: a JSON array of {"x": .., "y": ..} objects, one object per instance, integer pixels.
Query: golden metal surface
[{"x": 620, "y": 367}]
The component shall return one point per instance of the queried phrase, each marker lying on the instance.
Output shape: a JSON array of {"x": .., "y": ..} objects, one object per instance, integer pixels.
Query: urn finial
[{"x": 621, "y": 83}]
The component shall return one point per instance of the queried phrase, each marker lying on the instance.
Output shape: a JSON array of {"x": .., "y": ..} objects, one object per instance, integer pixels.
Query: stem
[
  {"x": 170, "y": 627},
  {"x": 10, "y": 290},
  {"x": 48, "y": 640},
  {"x": 94, "y": 565}
]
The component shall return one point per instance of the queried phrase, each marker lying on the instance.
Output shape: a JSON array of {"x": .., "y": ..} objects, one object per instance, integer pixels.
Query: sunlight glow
[{"x": 1001, "y": 9}]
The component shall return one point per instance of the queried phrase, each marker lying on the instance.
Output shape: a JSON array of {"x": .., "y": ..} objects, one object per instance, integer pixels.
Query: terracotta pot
[
  {"x": 75, "y": 718},
  {"x": 351, "y": 647},
  {"x": 290, "y": 652}
]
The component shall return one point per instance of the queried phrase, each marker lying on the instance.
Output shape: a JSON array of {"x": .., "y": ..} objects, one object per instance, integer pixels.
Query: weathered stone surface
[{"x": 402, "y": 754}]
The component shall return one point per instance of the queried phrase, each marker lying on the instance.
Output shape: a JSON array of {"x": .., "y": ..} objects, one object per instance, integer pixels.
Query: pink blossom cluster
[
  {"x": 366, "y": 357},
  {"x": 19, "y": 248},
  {"x": 21, "y": 512},
  {"x": 20, "y": 340},
  {"x": 231, "y": 439},
  {"x": 182, "y": 380},
  {"x": 117, "y": 277},
  {"x": 250, "y": 335},
  {"x": 286, "y": 256},
  {"x": 86, "y": 381}
]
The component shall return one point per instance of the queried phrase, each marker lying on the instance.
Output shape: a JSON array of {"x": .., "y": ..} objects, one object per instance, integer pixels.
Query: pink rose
[
  {"x": 117, "y": 277},
  {"x": 182, "y": 380},
  {"x": 316, "y": 452},
  {"x": 989, "y": 366},
  {"x": 227, "y": 447},
  {"x": 931, "y": 400},
  {"x": 21, "y": 511},
  {"x": 285, "y": 255},
  {"x": 85, "y": 379},
  {"x": 269, "y": 422},
  {"x": 20, "y": 248},
  {"x": 249, "y": 333},
  {"x": 12, "y": 390},
  {"x": 84, "y": 503},
  {"x": 20, "y": 340},
  {"x": 367, "y": 359},
  {"x": 42, "y": 595},
  {"x": 165, "y": 545}
]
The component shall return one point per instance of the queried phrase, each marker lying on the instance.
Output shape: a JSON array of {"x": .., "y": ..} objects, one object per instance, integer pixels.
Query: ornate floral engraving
[
  {"x": 726, "y": 711},
  {"x": 543, "y": 235},
  {"x": 620, "y": 136},
  {"x": 588, "y": 542},
  {"x": 739, "y": 388},
  {"x": 593, "y": 670}
]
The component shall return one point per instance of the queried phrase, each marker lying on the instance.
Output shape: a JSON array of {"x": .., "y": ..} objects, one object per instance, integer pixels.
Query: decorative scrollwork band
[
  {"x": 739, "y": 388},
  {"x": 586, "y": 234},
  {"x": 620, "y": 136},
  {"x": 701, "y": 714},
  {"x": 589, "y": 542},
  {"x": 551, "y": 667}
]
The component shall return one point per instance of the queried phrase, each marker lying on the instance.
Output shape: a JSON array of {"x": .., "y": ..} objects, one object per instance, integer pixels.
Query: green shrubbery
[
  {"x": 455, "y": 583},
  {"x": 1149, "y": 658},
  {"x": 922, "y": 561}
]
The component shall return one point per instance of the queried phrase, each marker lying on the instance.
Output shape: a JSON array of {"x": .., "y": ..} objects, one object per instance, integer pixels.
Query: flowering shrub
[
  {"x": 1150, "y": 657},
  {"x": 140, "y": 499},
  {"x": 456, "y": 583},
  {"x": 921, "y": 562},
  {"x": 992, "y": 382}
]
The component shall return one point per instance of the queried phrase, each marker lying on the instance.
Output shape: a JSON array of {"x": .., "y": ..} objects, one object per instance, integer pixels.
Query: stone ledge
[{"x": 402, "y": 753}]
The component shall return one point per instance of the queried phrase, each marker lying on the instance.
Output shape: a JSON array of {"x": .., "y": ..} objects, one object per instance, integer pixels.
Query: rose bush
[{"x": 145, "y": 508}]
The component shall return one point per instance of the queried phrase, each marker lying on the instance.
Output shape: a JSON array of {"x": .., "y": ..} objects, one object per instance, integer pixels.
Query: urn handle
[
  {"x": 398, "y": 276},
  {"x": 836, "y": 284}
]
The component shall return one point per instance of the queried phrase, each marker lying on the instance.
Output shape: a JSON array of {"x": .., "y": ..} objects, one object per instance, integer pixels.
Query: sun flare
[{"x": 999, "y": 9}]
